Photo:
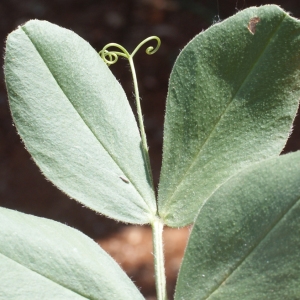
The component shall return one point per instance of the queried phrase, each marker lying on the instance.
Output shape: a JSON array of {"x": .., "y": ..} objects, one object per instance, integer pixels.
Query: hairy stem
[
  {"x": 141, "y": 123},
  {"x": 158, "y": 253},
  {"x": 111, "y": 57}
]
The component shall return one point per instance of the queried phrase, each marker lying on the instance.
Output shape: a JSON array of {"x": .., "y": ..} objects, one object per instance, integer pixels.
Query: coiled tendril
[{"x": 111, "y": 57}]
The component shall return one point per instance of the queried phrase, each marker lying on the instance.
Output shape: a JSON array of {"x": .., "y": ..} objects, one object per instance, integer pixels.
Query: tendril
[
  {"x": 150, "y": 50},
  {"x": 111, "y": 57}
]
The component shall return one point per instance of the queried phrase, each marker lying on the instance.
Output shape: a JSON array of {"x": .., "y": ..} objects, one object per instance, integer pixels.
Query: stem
[
  {"x": 158, "y": 253},
  {"x": 157, "y": 225},
  {"x": 111, "y": 57},
  {"x": 141, "y": 123}
]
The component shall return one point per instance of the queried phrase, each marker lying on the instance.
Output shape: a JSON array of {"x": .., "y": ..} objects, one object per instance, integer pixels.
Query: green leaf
[
  {"x": 245, "y": 242},
  {"x": 43, "y": 259},
  {"x": 232, "y": 99},
  {"x": 76, "y": 122}
]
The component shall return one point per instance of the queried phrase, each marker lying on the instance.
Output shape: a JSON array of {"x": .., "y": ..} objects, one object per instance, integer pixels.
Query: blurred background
[{"x": 126, "y": 22}]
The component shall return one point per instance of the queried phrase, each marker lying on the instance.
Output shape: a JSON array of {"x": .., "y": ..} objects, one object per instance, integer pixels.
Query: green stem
[
  {"x": 158, "y": 253},
  {"x": 111, "y": 57},
  {"x": 140, "y": 120}
]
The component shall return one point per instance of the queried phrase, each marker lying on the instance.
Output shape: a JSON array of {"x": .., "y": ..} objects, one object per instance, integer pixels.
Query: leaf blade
[
  {"x": 77, "y": 123},
  {"x": 63, "y": 260},
  {"x": 245, "y": 238},
  {"x": 228, "y": 105}
]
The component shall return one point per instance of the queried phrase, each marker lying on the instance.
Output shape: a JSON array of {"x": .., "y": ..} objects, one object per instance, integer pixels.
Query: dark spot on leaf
[
  {"x": 124, "y": 179},
  {"x": 252, "y": 24}
]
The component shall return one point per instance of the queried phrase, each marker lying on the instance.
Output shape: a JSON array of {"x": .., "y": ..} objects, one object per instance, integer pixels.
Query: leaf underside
[
  {"x": 233, "y": 95},
  {"x": 245, "y": 241},
  {"x": 76, "y": 122},
  {"x": 43, "y": 259}
]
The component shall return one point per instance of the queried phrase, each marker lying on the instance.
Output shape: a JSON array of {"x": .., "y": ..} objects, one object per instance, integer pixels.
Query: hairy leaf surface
[
  {"x": 245, "y": 241},
  {"x": 76, "y": 122},
  {"x": 233, "y": 95},
  {"x": 43, "y": 259}
]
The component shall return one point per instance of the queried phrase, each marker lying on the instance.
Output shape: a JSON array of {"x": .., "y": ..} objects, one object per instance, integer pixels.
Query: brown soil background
[{"x": 176, "y": 22}]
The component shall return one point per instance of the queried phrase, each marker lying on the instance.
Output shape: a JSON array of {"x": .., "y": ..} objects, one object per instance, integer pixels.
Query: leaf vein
[
  {"x": 50, "y": 279},
  {"x": 251, "y": 250}
]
